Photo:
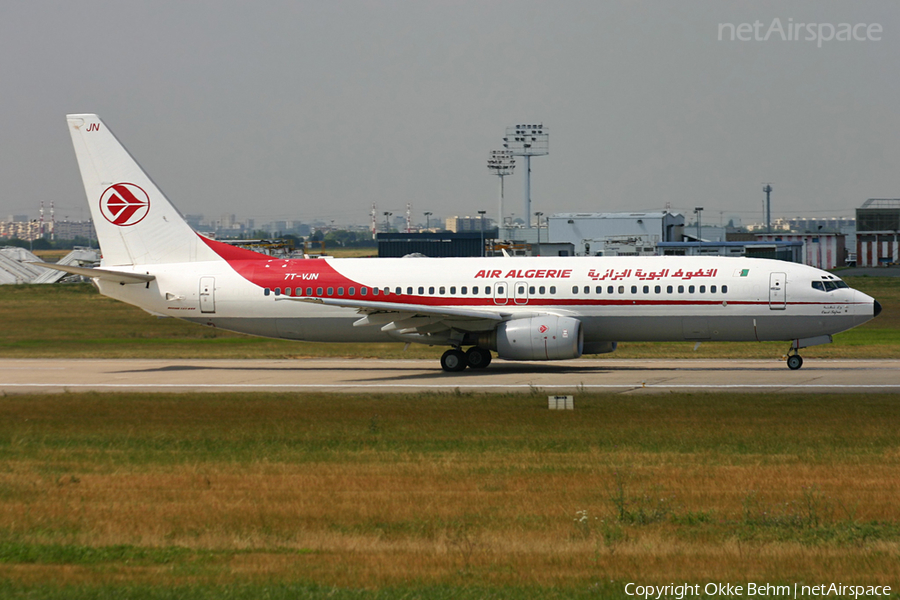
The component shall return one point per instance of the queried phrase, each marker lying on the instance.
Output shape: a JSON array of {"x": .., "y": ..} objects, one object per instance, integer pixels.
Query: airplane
[{"x": 521, "y": 308}]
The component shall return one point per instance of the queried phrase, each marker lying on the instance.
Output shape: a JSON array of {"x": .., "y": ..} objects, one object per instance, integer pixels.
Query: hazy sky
[{"x": 302, "y": 110}]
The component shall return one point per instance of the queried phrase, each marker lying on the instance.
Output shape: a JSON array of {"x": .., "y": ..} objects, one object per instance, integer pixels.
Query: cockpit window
[{"x": 829, "y": 285}]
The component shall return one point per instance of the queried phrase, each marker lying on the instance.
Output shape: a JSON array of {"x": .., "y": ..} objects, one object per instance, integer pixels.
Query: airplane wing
[
  {"x": 413, "y": 318},
  {"x": 103, "y": 274}
]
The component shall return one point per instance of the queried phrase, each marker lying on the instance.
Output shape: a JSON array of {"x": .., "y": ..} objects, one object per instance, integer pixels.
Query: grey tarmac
[{"x": 19, "y": 376}]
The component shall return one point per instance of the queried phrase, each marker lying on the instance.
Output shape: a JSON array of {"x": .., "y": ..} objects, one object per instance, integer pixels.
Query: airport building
[
  {"x": 820, "y": 250},
  {"x": 791, "y": 251},
  {"x": 615, "y": 234},
  {"x": 435, "y": 244},
  {"x": 878, "y": 232}
]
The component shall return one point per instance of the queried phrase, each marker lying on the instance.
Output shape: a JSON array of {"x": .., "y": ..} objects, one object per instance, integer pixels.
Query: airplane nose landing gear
[{"x": 794, "y": 361}]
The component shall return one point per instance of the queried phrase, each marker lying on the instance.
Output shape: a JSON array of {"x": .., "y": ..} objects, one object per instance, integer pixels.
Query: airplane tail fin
[{"x": 136, "y": 224}]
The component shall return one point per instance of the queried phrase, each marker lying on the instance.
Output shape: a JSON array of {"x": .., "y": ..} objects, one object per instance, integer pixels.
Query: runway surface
[{"x": 362, "y": 375}]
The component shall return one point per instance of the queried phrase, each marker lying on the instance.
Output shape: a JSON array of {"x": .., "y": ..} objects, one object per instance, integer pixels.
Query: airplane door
[
  {"x": 777, "y": 285},
  {"x": 500, "y": 293},
  {"x": 520, "y": 292},
  {"x": 207, "y": 294}
]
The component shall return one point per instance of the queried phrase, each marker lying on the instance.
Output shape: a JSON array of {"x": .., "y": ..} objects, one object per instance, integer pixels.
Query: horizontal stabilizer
[{"x": 104, "y": 274}]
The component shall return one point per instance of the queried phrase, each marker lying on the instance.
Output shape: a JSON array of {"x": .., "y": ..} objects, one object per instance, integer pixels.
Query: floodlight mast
[
  {"x": 527, "y": 141},
  {"x": 768, "y": 191},
  {"x": 501, "y": 163}
]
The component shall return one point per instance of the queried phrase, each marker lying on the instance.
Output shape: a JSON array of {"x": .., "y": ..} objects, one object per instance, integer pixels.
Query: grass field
[
  {"x": 76, "y": 321},
  {"x": 448, "y": 496}
]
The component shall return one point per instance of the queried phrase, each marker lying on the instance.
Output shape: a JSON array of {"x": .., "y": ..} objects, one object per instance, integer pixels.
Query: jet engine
[{"x": 547, "y": 337}]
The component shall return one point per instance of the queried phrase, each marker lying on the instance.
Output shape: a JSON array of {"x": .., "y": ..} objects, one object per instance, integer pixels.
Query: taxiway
[{"x": 366, "y": 375}]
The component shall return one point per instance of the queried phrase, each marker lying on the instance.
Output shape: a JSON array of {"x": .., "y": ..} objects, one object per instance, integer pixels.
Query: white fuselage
[{"x": 616, "y": 299}]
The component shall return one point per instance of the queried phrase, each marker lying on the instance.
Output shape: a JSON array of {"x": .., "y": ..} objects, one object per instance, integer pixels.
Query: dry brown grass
[{"x": 379, "y": 491}]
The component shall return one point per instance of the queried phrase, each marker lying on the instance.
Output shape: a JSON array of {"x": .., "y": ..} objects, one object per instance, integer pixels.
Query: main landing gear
[{"x": 455, "y": 360}]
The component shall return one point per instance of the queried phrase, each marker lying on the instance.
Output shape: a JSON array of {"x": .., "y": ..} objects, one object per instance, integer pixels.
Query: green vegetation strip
[{"x": 308, "y": 592}]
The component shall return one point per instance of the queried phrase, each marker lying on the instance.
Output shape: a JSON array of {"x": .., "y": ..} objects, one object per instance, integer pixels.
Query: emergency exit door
[
  {"x": 777, "y": 296},
  {"x": 207, "y": 294}
]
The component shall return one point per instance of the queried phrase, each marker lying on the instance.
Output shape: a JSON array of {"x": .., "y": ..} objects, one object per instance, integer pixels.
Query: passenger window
[
  {"x": 475, "y": 289},
  {"x": 318, "y": 291},
  {"x": 464, "y": 290},
  {"x": 646, "y": 289},
  {"x": 500, "y": 289},
  {"x": 621, "y": 289},
  {"x": 724, "y": 289},
  {"x": 443, "y": 290},
  {"x": 598, "y": 289},
  {"x": 552, "y": 289},
  {"x": 587, "y": 289},
  {"x": 409, "y": 291},
  {"x": 387, "y": 291},
  {"x": 668, "y": 289},
  {"x": 266, "y": 292},
  {"x": 487, "y": 290},
  {"x": 331, "y": 291},
  {"x": 712, "y": 289},
  {"x": 574, "y": 289},
  {"x": 421, "y": 290},
  {"x": 362, "y": 291},
  {"x": 680, "y": 289},
  {"x": 277, "y": 291},
  {"x": 542, "y": 290},
  {"x": 609, "y": 290},
  {"x": 287, "y": 291},
  {"x": 398, "y": 290},
  {"x": 702, "y": 289},
  {"x": 531, "y": 290},
  {"x": 374, "y": 291},
  {"x": 521, "y": 289},
  {"x": 431, "y": 290},
  {"x": 309, "y": 291},
  {"x": 691, "y": 289},
  {"x": 634, "y": 289},
  {"x": 452, "y": 290},
  {"x": 657, "y": 289},
  {"x": 340, "y": 291}
]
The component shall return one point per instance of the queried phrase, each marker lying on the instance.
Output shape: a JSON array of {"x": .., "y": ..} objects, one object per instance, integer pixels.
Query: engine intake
[{"x": 536, "y": 338}]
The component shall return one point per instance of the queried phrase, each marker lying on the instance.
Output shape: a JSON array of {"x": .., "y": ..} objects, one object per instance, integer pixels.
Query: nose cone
[{"x": 877, "y": 308}]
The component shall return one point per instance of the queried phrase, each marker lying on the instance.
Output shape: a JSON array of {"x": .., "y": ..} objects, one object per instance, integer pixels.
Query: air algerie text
[{"x": 529, "y": 274}]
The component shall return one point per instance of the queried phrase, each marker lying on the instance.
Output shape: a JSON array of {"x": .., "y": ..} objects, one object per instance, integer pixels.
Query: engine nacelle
[
  {"x": 538, "y": 338},
  {"x": 599, "y": 347}
]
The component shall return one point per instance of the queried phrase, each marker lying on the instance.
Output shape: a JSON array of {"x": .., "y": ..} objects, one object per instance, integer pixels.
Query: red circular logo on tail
[{"x": 124, "y": 204}]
